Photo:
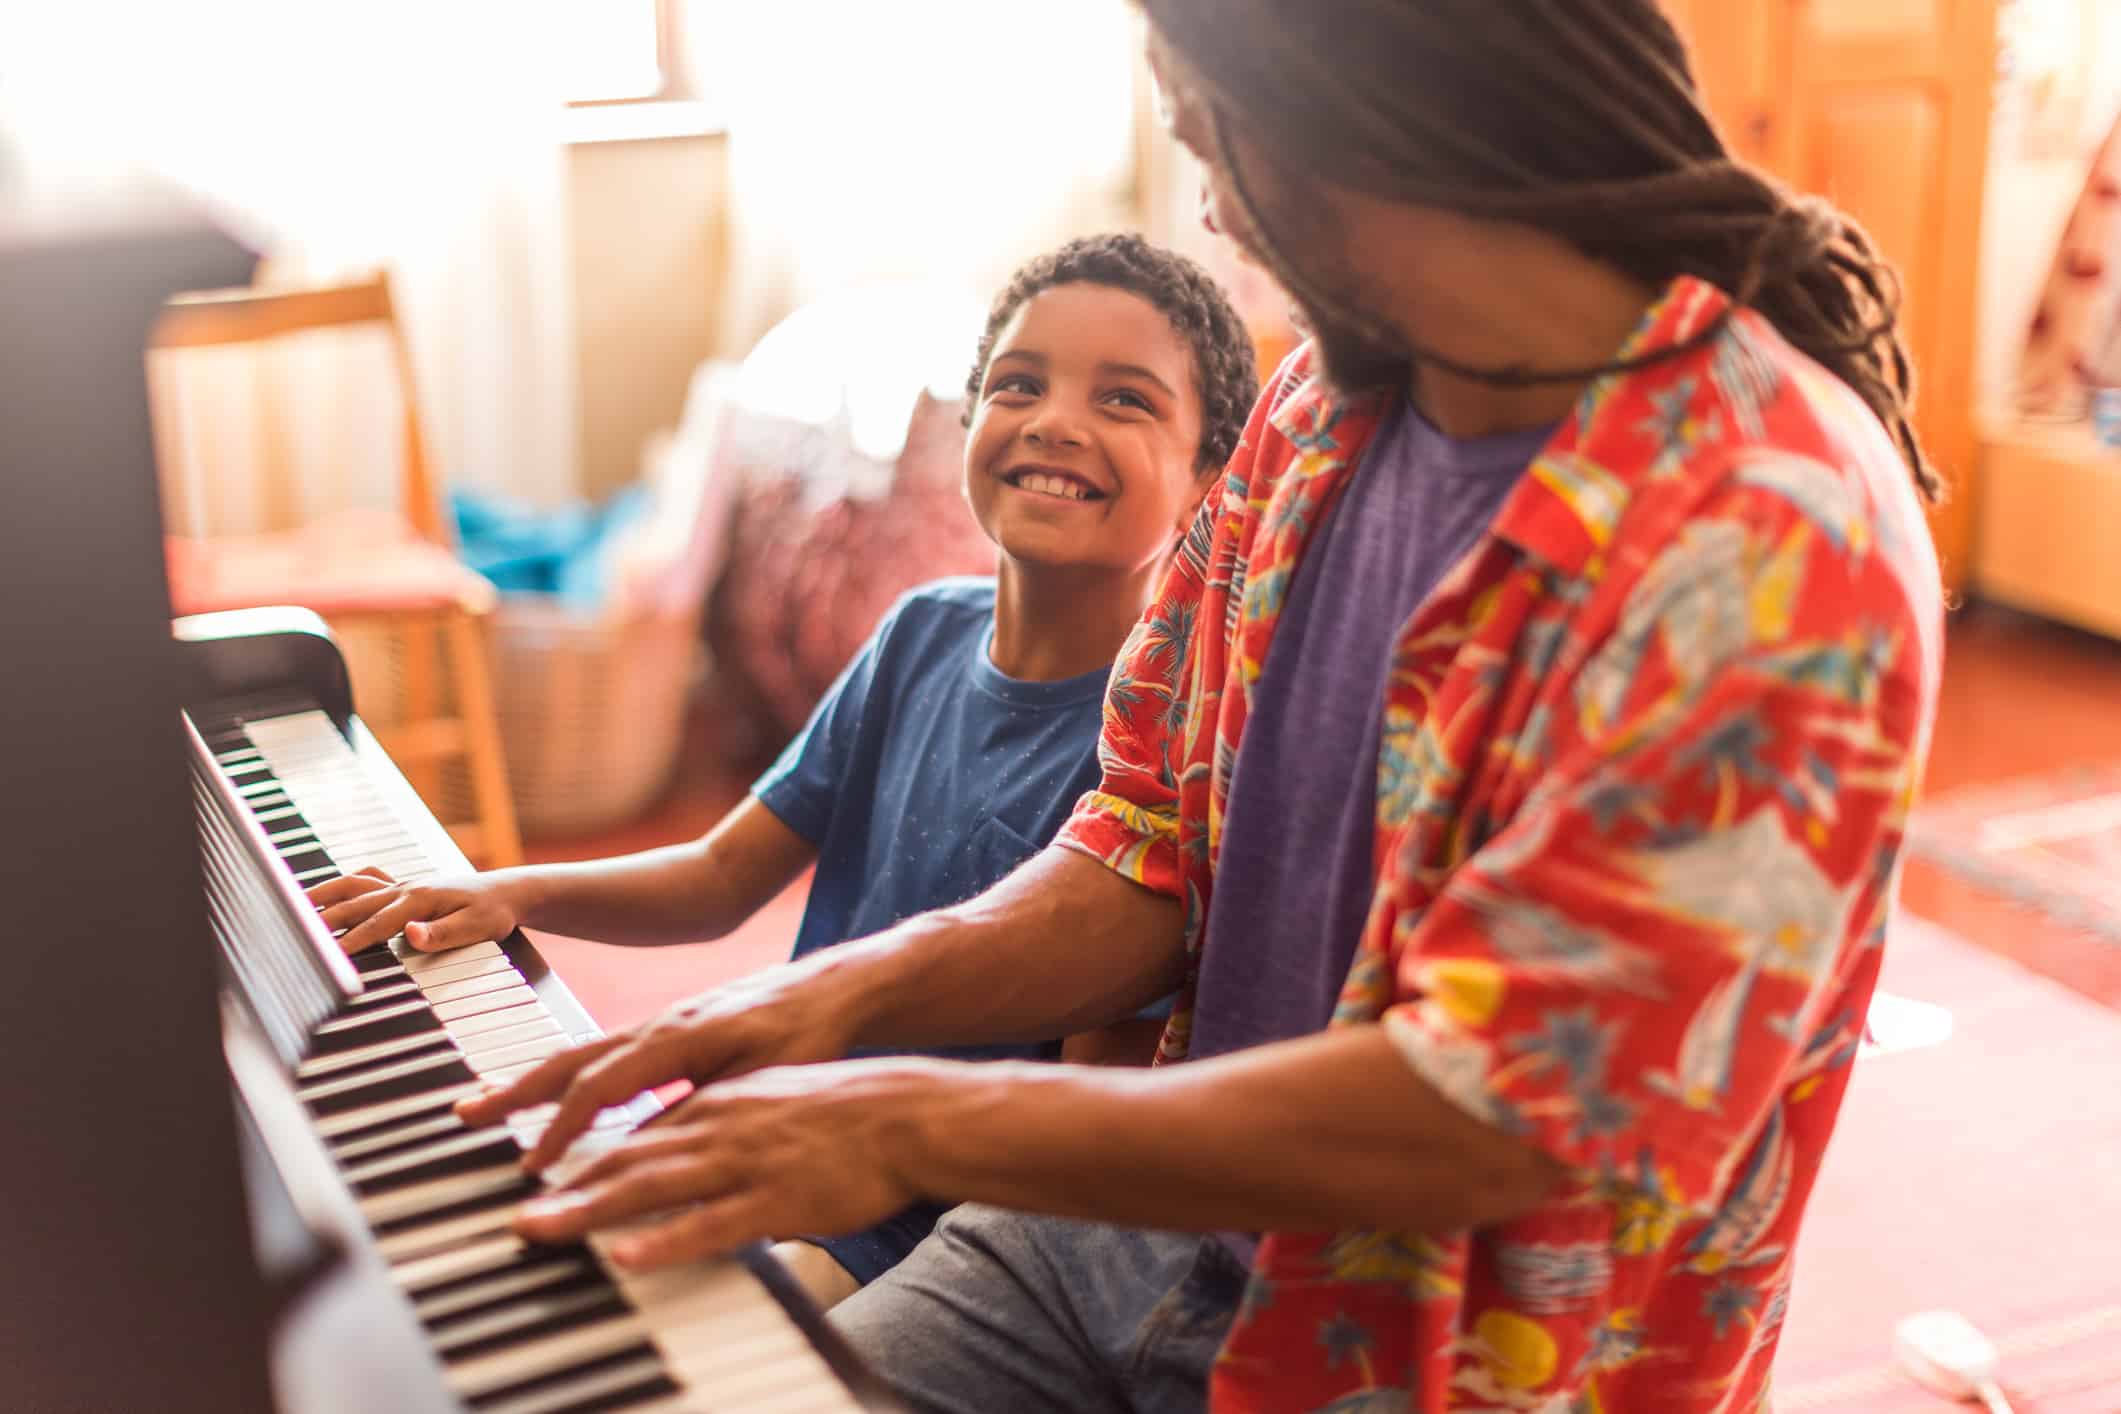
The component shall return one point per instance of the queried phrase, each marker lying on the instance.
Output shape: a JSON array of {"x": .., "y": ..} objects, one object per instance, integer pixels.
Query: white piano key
[
  {"x": 530, "y": 1052},
  {"x": 372, "y": 995},
  {"x": 595, "y": 1384},
  {"x": 495, "y": 1252},
  {"x": 354, "y": 1149},
  {"x": 420, "y": 964},
  {"x": 529, "y": 1310},
  {"x": 431, "y": 978},
  {"x": 437, "y": 1194},
  {"x": 319, "y": 1066},
  {"x": 347, "y": 1121},
  {"x": 550, "y": 1355},
  {"x": 483, "y": 1002},
  {"x": 325, "y": 1089},
  {"x": 453, "y": 991},
  {"x": 507, "y": 1075},
  {"x": 699, "y": 1306},
  {"x": 504, "y": 1019},
  {"x": 482, "y": 1043},
  {"x": 464, "y": 1141},
  {"x": 445, "y": 1232}
]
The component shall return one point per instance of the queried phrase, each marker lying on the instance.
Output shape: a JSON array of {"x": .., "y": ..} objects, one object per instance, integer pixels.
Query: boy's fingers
[
  {"x": 362, "y": 906},
  {"x": 346, "y": 886},
  {"x": 374, "y": 872},
  {"x": 384, "y": 924},
  {"x": 458, "y": 929},
  {"x": 533, "y": 1087}
]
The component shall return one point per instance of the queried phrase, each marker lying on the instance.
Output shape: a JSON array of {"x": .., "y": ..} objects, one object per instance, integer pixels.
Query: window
[{"x": 622, "y": 51}]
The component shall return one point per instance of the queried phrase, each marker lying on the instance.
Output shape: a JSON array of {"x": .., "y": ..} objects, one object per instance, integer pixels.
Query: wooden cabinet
[{"x": 1883, "y": 107}]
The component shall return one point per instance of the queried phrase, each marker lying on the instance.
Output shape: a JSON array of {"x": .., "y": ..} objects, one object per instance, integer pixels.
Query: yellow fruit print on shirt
[
  {"x": 1515, "y": 1349},
  {"x": 1468, "y": 989}
]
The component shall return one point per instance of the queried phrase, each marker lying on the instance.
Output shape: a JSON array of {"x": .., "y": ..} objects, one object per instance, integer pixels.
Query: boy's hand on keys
[{"x": 371, "y": 907}]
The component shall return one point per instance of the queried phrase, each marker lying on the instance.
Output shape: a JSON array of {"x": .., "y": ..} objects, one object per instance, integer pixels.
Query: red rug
[
  {"x": 1981, "y": 1174},
  {"x": 624, "y": 986},
  {"x": 2053, "y": 842}
]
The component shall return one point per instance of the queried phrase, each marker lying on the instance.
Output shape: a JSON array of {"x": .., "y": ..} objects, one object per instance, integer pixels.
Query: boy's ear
[{"x": 1189, "y": 509}]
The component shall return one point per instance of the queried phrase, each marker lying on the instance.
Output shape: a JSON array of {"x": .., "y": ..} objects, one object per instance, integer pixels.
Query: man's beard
[{"x": 1349, "y": 362}]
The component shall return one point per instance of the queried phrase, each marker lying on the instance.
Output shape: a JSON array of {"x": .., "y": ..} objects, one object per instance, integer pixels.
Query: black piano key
[
  {"x": 506, "y": 1199},
  {"x": 388, "y": 1028},
  {"x": 575, "y": 1291},
  {"x": 307, "y": 860},
  {"x": 586, "y": 1387},
  {"x": 392, "y": 1088},
  {"x": 377, "y": 957},
  {"x": 500, "y": 1148},
  {"x": 610, "y": 1306},
  {"x": 539, "y": 1269},
  {"x": 384, "y": 1140}
]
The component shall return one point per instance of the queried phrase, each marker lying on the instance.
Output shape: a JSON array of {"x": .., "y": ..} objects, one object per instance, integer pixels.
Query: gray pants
[{"x": 1002, "y": 1311}]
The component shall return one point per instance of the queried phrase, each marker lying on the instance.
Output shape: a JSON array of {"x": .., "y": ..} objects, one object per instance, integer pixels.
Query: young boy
[{"x": 1111, "y": 384}]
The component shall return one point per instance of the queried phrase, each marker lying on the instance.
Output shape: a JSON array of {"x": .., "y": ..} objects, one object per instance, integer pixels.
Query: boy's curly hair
[{"x": 1225, "y": 367}]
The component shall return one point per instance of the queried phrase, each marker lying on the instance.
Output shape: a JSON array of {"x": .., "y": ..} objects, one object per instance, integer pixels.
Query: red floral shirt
[{"x": 1647, "y": 756}]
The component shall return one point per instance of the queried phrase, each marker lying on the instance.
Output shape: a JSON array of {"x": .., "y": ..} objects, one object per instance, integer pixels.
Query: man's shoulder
[{"x": 1785, "y": 446}]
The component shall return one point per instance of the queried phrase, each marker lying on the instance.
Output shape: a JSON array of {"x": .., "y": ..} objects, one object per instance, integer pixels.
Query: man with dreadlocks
[{"x": 1512, "y": 772}]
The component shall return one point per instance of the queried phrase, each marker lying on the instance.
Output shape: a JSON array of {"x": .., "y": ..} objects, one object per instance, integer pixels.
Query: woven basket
[{"x": 592, "y": 710}]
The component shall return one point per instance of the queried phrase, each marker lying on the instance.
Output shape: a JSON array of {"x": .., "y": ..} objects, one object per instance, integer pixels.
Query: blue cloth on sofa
[{"x": 562, "y": 551}]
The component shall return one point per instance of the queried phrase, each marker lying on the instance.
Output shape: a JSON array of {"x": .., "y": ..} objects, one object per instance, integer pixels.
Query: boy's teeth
[{"x": 1051, "y": 486}]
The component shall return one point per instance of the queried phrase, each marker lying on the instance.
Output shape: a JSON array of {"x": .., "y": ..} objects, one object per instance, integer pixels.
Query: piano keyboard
[{"x": 518, "y": 1328}]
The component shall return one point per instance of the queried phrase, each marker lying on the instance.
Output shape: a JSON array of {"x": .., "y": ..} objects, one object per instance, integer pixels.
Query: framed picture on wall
[{"x": 2045, "y": 52}]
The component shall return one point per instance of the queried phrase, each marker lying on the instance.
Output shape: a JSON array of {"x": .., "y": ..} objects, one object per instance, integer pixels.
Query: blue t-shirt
[
  {"x": 925, "y": 777},
  {"x": 1284, "y": 922}
]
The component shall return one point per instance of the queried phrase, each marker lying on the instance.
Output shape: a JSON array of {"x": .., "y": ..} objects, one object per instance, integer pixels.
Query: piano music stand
[{"x": 130, "y": 1280}]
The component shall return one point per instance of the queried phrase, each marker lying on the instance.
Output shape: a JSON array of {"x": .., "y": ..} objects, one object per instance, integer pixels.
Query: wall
[{"x": 650, "y": 255}]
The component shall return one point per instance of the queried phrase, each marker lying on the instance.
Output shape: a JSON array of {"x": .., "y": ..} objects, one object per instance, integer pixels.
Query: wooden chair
[{"x": 374, "y": 572}]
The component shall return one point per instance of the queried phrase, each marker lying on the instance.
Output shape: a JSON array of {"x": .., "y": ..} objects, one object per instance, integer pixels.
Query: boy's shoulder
[
  {"x": 942, "y": 609},
  {"x": 958, "y": 596}
]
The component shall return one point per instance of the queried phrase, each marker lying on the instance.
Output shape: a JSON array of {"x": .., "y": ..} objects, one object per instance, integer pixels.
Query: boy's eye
[
  {"x": 1128, "y": 397},
  {"x": 1014, "y": 383}
]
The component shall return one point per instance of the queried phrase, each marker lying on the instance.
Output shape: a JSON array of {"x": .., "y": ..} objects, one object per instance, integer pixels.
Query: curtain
[
  {"x": 339, "y": 136},
  {"x": 926, "y": 138}
]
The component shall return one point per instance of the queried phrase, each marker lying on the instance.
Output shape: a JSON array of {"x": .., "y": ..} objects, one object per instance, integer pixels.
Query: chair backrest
[{"x": 212, "y": 318}]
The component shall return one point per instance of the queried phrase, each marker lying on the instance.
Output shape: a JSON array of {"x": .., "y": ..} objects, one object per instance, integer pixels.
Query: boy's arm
[
  {"x": 682, "y": 893},
  {"x": 1062, "y": 945},
  {"x": 690, "y": 892}
]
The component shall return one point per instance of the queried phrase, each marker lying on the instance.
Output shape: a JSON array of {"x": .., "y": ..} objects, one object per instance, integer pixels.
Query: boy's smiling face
[{"x": 1083, "y": 446}]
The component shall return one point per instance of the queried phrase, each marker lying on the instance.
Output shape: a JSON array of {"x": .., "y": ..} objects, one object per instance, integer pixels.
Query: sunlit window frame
[{"x": 674, "y": 81}]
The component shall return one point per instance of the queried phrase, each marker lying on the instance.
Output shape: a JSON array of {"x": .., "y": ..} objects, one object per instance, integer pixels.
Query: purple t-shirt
[{"x": 1294, "y": 879}]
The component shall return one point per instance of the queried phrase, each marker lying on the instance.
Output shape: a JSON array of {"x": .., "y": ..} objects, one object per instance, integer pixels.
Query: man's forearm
[
  {"x": 1060, "y": 946},
  {"x": 1329, "y": 1132}
]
